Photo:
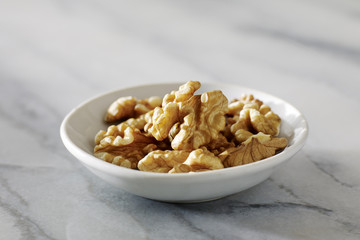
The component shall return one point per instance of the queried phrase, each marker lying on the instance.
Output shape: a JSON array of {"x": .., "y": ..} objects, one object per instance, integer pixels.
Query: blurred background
[{"x": 101, "y": 45}]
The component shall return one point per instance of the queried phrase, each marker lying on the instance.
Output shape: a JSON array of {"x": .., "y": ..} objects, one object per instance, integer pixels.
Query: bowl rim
[{"x": 91, "y": 160}]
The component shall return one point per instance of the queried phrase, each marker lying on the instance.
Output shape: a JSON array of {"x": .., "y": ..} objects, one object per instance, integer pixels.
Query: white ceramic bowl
[{"x": 82, "y": 123}]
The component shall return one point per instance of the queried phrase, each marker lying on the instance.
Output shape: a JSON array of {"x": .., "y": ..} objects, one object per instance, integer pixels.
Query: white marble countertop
[{"x": 56, "y": 54}]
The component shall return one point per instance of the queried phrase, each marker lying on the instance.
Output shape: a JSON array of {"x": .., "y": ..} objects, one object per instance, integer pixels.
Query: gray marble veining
[{"x": 56, "y": 54}]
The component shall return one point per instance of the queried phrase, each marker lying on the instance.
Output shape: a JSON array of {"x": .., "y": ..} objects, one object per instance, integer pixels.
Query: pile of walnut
[{"x": 184, "y": 132}]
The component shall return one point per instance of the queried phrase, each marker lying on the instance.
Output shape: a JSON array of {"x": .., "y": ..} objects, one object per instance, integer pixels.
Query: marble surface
[{"x": 56, "y": 54}]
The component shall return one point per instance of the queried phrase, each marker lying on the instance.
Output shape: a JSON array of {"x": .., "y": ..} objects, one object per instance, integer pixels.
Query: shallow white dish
[{"x": 82, "y": 123}]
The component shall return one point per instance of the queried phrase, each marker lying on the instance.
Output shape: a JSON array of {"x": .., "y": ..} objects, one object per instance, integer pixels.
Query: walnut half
[
  {"x": 130, "y": 107},
  {"x": 180, "y": 161},
  {"x": 188, "y": 121},
  {"x": 204, "y": 118},
  {"x": 163, "y": 118},
  {"x": 123, "y": 145},
  {"x": 253, "y": 117},
  {"x": 256, "y": 148}
]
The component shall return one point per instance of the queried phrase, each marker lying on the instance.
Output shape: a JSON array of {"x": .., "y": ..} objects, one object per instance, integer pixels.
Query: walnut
[
  {"x": 122, "y": 108},
  {"x": 162, "y": 161},
  {"x": 161, "y": 120},
  {"x": 255, "y": 148},
  {"x": 204, "y": 118},
  {"x": 246, "y": 101},
  {"x": 242, "y": 128},
  {"x": 185, "y": 92},
  {"x": 235, "y": 107},
  {"x": 138, "y": 122},
  {"x": 199, "y": 160},
  {"x": 114, "y": 159},
  {"x": 249, "y": 100},
  {"x": 130, "y": 107},
  {"x": 176, "y": 161},
  {"x": 188, "y": 121},
  {"x": 253, "y": 118},
  {"x": 219, "y": 144},
  {"x": 242, "y": 135},
  {"x": 265, "y": 121},
  {"x": 123, "y": 145},
  {"x": 145, "y": 105}
]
